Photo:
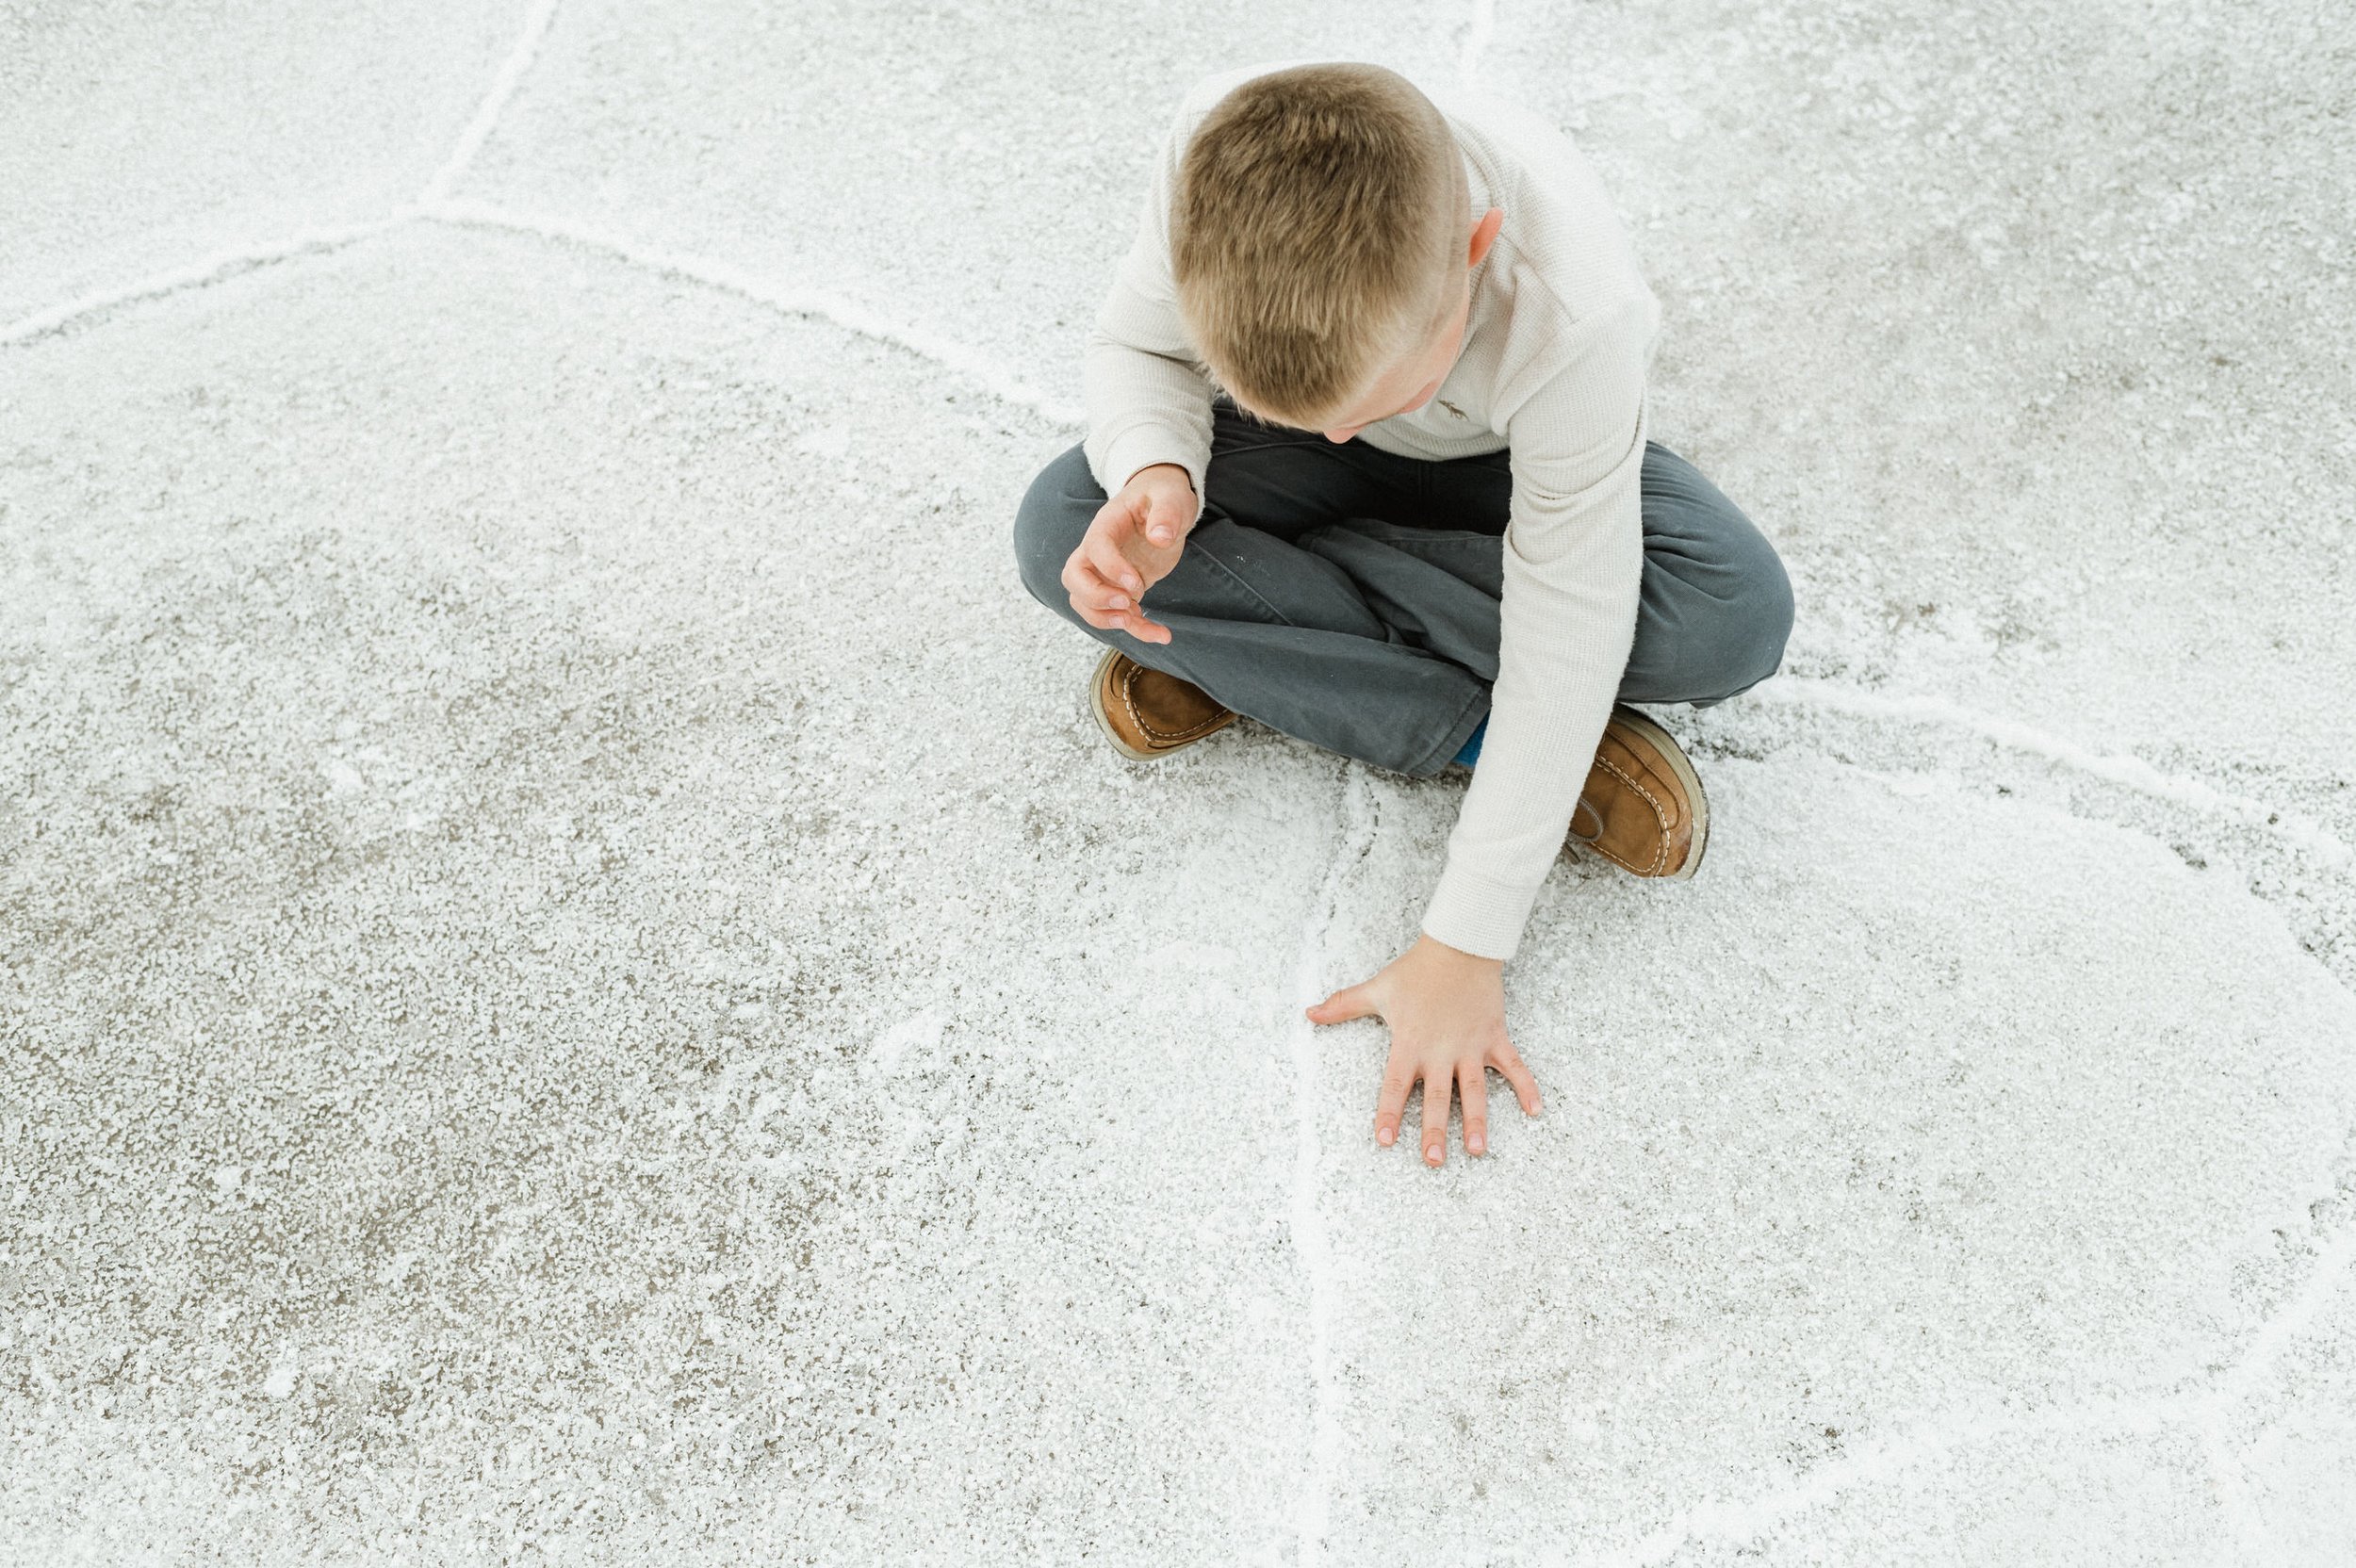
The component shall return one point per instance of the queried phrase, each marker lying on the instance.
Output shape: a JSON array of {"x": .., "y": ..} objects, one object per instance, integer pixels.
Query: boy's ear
[{"x": 1484, "y": 235}]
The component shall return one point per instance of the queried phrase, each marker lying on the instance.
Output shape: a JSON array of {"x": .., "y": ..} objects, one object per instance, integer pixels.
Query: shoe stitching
[
  {"x": 1128, "y": 700},
  {"x": 1660, "y": 855}
]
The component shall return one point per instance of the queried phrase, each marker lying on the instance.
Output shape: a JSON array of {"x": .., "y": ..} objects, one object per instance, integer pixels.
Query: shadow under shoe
[
  {"x": 1642, "y": 808},
  {"x": 1147, "y": 714}
]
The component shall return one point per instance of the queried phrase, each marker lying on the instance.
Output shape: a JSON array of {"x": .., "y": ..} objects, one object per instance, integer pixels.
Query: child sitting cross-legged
[{"x": 1367, "y": 462}]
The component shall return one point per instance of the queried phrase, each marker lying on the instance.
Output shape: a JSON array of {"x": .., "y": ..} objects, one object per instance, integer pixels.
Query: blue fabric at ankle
[{"x": 1469, "y": 753}]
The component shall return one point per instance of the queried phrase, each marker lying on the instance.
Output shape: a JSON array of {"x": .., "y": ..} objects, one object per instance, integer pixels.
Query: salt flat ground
[{"x": 579, "y": 988}]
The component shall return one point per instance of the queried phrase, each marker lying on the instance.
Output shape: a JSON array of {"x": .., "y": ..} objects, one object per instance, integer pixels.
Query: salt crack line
[
  {"x": 2202, "y": 1408},
  {"x": 1355, "y": 831},
  {"x": 2132, "y": 773},
  {"x": 226, "y": 263},
  {"x": 2232, "y": 1484},
  {"x": 845, "y": 313},
  {"x": 2211, "y": 1409},
  {"x": 1476, "y": 32},
  {"x": 220, "y": 266},
  {"x": 1884, "y": 1460},
  {"x": 494, "y": 103},
  {"x": 2335, "y": 1265}
]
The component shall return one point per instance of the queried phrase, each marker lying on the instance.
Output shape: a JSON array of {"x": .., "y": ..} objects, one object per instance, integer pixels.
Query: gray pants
[{"x": 1349, "y": 597}]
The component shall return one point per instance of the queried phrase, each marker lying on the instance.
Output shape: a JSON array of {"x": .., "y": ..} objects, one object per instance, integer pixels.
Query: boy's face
[{"x": 1408, "y": 384}]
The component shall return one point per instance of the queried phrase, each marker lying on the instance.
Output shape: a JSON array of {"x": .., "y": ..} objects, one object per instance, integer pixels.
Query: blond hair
[{"x": 1311, "y": 232}]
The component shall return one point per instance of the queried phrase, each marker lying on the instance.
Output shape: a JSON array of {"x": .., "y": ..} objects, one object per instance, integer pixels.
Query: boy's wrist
[
  {"x": 1446, "y": 953},
  {"x": 1163, "y": 473},
  {"x": 1473, "y": 912}
]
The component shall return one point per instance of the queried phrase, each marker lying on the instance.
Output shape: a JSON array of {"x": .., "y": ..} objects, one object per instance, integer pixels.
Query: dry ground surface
[{"x": 578, "y": 986}]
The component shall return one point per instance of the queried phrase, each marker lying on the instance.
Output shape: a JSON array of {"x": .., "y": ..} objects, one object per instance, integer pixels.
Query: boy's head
[{"x": 1320, "y": 244}]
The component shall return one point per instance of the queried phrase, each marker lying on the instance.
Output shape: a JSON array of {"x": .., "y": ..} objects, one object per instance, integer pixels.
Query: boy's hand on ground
[
  {"x": 1132, "y": 543},
  {"x": 1446, "y": 1013}
]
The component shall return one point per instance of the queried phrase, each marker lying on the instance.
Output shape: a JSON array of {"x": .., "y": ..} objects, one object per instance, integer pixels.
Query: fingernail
[
  {"x": 1116, "y": 603},
  {"x": 1476, "y": 1145},
  {"x": 1435, "y": 1155},
  {"x": 1385, "y": 1137}
]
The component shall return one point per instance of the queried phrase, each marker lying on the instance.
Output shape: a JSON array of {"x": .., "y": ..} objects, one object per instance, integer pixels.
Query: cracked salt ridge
[
  {"x": 2200, "y": 1409},
  {"x": 2202, "y": 1412},
  {"x": 2131, "y": 772},
  {"x": 213, "y": 269},
  {"x": 1355, "y": 830},
  {"x": 229, "y": 263},
  {"x": 486, "y": 118},
  {"x": 845, "y": 313},
  {"x": 815, "y": 303}
]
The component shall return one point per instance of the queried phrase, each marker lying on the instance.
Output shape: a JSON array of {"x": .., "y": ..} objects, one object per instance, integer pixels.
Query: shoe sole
[
  {"x": 1096, "y": 710},
  {"x": 1674, "y": 755}
]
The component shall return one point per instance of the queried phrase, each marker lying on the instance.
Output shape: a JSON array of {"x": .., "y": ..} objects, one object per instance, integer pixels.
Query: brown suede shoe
[
  {"x": 1642, "y": 808},
  {"x": 1147, "y": 714}
]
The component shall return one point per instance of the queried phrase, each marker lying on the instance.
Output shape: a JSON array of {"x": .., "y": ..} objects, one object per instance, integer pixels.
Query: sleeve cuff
[
  {"x": 1141, "y": 446},
  {"x": 1477, "y": 914}
]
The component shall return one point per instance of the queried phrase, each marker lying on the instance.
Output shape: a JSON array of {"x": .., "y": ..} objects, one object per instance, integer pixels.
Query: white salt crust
[{"x": 580, "y": 986}]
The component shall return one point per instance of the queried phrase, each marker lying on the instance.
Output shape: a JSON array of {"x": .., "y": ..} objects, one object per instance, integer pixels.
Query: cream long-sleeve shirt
[{"x": 1552, "y": 369}]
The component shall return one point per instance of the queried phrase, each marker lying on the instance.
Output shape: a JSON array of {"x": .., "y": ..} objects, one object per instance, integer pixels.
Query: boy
[{"x": 1367, "y": 400}]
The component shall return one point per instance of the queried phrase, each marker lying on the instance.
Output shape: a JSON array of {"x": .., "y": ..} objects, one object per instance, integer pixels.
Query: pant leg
[
  {"x": 1258, "y": 616},
  {"x": 1714, "y": 605},
  {"x": 1357, "y": 607}
]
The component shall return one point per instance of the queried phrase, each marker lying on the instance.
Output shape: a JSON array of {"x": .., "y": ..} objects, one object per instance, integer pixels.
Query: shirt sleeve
[
  {"x": 1573, "y": 561},
  {"x": 1147, "y": 397}
]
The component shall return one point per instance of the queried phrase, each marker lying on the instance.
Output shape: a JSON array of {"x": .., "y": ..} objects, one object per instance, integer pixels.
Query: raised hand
[{"x": 1132, "y": 543}]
